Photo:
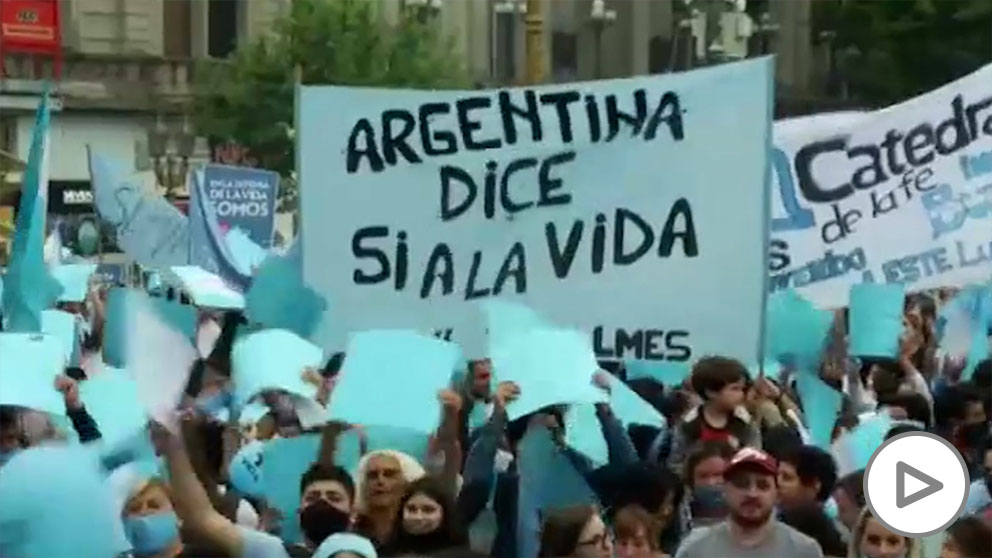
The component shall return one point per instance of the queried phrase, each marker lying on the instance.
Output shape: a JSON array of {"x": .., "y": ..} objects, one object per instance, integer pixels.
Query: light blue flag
[
  {"x": 30, "y": 288},
  {"x": 965, "y": 324},
  {"x": 205, "y": 289},
  {"x": 112, "y": 399},
  {"x": 505, "y": 319},
  {"x": 29, "y": 364},
  {"x": 273, "y": 359},
  {"x": 821, "y": 405},
  {"x": 550, "y": 365},
  {"x": 667, "y": 372},
  {"x": 56, "y": 505},
  {"x": 245, "y": 469},
  {"x": 64, "y": 327},
  {"x": 875, "y": 319},
  {"x": 74, "y": 279},
  {"x": 279, "y": 299},
  {"x": 149, "y": 229},
  {"x": 547, "y": 474},
  {"x": 795, "y": 330},
  {"x": 391, "y": 378},
  {"x": 284, "y": 460}
]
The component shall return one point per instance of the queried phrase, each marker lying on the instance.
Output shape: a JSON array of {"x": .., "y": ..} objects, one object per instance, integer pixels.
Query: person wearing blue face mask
[{"x": 150, "y": 523}]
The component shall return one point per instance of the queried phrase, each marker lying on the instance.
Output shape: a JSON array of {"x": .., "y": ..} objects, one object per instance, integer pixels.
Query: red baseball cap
[{"x": 752, "y": 458}]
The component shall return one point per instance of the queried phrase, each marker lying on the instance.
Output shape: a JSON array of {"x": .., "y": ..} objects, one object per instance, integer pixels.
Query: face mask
[
  {"x": 320, "y": 520},
  {"x": 708, "y": 503},
  {"x": 213, "y": 405},
  {"x": 151, "y": 534}
]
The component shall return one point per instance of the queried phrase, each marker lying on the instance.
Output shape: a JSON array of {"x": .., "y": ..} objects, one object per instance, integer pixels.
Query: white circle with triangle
[{"x": 916, "y": 484}]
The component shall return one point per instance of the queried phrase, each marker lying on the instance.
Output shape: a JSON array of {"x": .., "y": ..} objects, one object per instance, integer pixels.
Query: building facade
[{"x": 126, "y": 66}]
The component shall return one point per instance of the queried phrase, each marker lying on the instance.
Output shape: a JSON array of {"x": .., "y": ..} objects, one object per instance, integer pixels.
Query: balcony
[{"x": 101, "y": 82}]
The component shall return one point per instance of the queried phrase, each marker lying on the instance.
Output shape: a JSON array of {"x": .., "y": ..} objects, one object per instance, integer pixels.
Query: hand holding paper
[
  {"x": 273, "y": 359},
  {"x": 391, "y": 378},
  {"x": 550, "y": 366},
  {"x": 876, "y": 319},
  {"x": 28, "y": 368}
]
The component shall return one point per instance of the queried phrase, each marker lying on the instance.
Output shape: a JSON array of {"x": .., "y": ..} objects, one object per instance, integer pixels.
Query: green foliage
[
  {"x": 892, "y": 50},
  {"x": 249, "y": 98}
]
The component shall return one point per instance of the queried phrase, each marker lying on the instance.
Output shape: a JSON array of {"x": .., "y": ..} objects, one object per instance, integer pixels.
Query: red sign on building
[{"x": 30, "y": 26}]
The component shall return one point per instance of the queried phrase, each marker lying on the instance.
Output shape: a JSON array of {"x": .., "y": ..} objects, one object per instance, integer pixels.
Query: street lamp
[
  {"x": 170, "y": 148},
  {"x": 601, "y": 18}
]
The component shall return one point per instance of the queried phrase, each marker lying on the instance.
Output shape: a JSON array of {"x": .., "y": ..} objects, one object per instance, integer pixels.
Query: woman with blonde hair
[
  {"x": 871, "y": 539},
  {"x": 382, "y": 479}
]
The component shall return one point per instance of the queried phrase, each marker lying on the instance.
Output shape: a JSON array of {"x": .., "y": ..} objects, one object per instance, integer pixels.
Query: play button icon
[
  {"x": 904, "y": 470},
  {"x": 916, "y": 484}
]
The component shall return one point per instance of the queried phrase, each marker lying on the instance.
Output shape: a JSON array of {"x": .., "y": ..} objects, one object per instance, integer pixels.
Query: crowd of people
[{"x": 732, "y": 473}]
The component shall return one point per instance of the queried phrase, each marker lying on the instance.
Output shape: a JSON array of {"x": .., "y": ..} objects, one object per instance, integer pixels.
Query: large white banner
[
  {"x": 902, "y": 194},
  {"x": 634, "y": 209}
]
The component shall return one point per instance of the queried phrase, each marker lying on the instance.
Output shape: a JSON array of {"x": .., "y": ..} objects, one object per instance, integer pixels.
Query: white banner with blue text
[{"x": 903, "y": 194}]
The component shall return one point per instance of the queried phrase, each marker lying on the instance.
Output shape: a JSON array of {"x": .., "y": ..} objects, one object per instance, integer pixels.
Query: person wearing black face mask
[{"x": 327, "y": 494}]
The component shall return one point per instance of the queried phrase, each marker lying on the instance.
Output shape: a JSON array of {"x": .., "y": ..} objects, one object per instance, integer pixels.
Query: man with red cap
[{"x": 751, "y": 530}]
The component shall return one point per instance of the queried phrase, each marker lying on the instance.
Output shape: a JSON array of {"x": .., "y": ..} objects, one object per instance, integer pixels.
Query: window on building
[
  {"x": 564, "y": 56},
  {"x": 8, "y": 133},
  {"x": 660, "y": 55},
  {"x": 223, "y": 22},
  {"x": 504, "y": 53},
  {"x": 176, "y": 20}
]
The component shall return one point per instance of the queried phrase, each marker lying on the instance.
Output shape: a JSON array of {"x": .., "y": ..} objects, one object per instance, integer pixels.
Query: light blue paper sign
[
  {"x": 821, "y": 405},
  {"x": 584, "y": 434},
  {"x": 75, "y": 280},
  {"x": 113, "y": 401},
  {"x": 28, "y": 367},
  {"x": 666, "y": 372},
  {"x": 875, "y": 319},
  {"x": 206, "y": 289},
  {"x": 547, "y": 475},
  {"x": 391, "y": 378},
  {"x": 707, "y": 132},
  {"x": 273, "y": 359},
  {"x": 56, "y": 505},
  {"x": 795, "y": 329},
  {"x": 64, "y": 327},
  {"x": 30, "y": 288},
  {"x": 631, "y": 408},
  {"x": 772, "y": 369},
  {"x": 504, "y": 319},
  {"x": 246, "y": 469},
  {"x": 284, "y": 461},
  {"x": 278, "y": 298},
  {"x": 550, "y": 365},
  {"x": 115, "y": 328},
  {"x": 854, "y": 449},
  {"x": 180, "y": 317},
  {"x": 149, "y": 229}
]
